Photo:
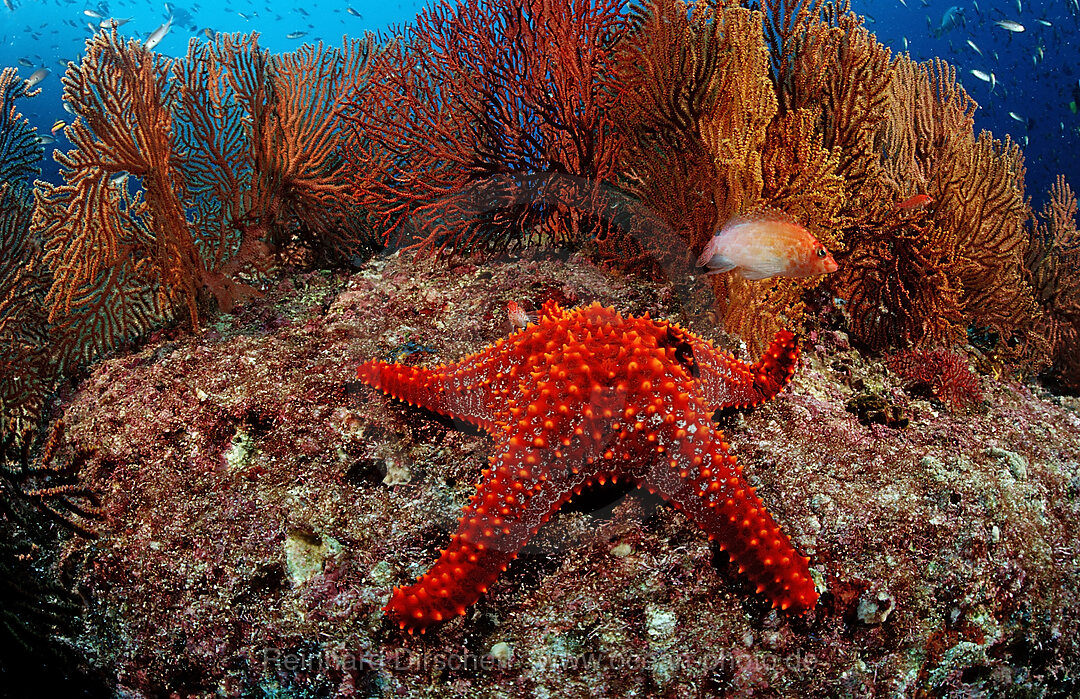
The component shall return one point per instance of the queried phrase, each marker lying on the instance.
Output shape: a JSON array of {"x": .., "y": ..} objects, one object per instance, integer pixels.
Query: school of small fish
[
  {"x": 1010, "y": 56},
  {"x": 53, "y": 32}
]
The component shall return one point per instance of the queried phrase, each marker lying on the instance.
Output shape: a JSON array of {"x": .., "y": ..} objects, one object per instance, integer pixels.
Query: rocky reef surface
[{"x": 260, "y": 504}]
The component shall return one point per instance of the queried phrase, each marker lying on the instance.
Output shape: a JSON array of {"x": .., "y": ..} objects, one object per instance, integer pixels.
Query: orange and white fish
[
  {"x": 917, "y": 201},
  {"x": 766, "y": 244},
  {"x": 518, "y": 317}
]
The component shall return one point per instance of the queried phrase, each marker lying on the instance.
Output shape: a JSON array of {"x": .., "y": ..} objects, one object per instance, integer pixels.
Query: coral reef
[
  {"x": 256, "y": 505},
  {"x": 470, "y": 106},
  {"x": 945, "y": 373},
  {"x": 187, "y": 173},
  {"x": 259, "y": 508},
  {"x": 1053, "y": 258},
  {"x": 27, "y": 369}
]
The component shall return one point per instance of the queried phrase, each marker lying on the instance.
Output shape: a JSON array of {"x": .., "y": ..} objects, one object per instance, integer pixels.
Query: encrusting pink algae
[{"x": 260, "y": 505}]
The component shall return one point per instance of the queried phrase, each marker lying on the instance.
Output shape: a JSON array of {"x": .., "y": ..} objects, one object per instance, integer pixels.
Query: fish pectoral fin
[{"x": 717, "y": 264}]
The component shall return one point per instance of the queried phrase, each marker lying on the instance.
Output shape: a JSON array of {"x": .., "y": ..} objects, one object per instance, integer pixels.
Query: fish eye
[{"x": 821, "y": 252}]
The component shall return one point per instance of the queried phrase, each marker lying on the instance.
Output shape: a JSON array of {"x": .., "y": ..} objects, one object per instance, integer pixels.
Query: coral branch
[
  {"x": 187, "y": 174},
  {"x": 26, "y": 367},
  {"x": 1053, "y": 258},
  {"x": 490, "y": 87}
]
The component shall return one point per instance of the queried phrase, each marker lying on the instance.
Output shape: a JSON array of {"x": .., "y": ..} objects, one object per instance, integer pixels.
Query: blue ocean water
[
  {"x": 1034, "y": 89},
  {"x": 48, "y": 33},
  {"x": 1033, "y": 94}
]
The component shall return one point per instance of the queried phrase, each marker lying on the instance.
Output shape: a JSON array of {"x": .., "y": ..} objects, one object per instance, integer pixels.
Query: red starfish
[{"x": 587, "y": 395}]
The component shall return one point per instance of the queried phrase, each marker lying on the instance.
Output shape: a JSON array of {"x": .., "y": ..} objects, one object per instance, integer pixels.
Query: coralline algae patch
[{"x": 260, "y": 505}]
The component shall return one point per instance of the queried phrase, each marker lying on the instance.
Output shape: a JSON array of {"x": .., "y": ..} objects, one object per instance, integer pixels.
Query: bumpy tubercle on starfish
[{"x": 588, "y": 395}]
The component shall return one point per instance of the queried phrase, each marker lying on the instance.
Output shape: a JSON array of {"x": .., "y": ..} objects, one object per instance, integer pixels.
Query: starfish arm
[
  {"x": 698, "y": 476},
  {"x": 477, "y": 388},
  {"x": 726, "y": 382},
  {"x": 520, "y": 491},
  {"x": 449, "y": 390}
]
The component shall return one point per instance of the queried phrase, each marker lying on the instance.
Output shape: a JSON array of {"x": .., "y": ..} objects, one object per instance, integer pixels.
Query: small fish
[
  {"x": 905, "y": 43},
  {"x": 981, "y": 75},
  {"x": 903, "y": 3},
  {"x": 37, "y": 76},
  {"x": 974, "y": 47},
  {"x": 517, "y": 315},
  {"x": 91, "y": 13},
  {"x": 10, "y": 5},
  {"x": 953, "y": 18},
  {"x": 1044, "y": 22},
  {"x": 159, "y": 34},
  {"x": 113, "y": 22},
  {"x": 915, "y": 202},
  {"x": 26, "y": 63},
  {"x": 353, "y": 12},
  {"x": 208, "y": 33},
  {"x": 1009, "y": 25},
  {"x": 295, "y": 35},
  {"x": 45, "y": 140},
  {"x": 766, "y": 244},
  {"x": 57, "y": 125},
  {"x": 1019, "y": 8},
  {"x": 119, "y": 179}
]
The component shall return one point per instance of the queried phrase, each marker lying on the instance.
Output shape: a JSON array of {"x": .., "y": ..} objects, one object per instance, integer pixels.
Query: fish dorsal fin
[{"x": 760, "y": 214}]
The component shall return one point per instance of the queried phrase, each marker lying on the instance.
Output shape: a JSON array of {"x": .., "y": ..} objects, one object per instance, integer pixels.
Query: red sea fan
[
  {"x": 475, "y": 115},
  {"x": 945, "y": 374}
]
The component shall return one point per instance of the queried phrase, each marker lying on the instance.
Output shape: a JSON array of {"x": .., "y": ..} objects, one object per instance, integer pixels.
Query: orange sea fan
[
  {"x": 187, "y": 174},
  {"x": 1053, "y": 261}
]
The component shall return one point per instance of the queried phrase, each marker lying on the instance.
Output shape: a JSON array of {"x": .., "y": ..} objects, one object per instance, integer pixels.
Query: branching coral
[
  {"x": 493, "y": 124},
  {"x": 263, "y": 145},
  {"x": 693, "y": 102},
  {"x": 982, "y": 200},
  {"x": 1053, "y": 259},
  {"x": 700, "y": 110},
  {"x": 503, "y": 88},
  {"x": 32, "y": 605},
  {"x": 946, "y": 374},
  {"x": 701, "y": 141},
  {"x": 921, "y": 276},
  {"x": 26, "y": 367},
  {"x": 186, "y": 173},
  {"x": 106, "y": 247}
]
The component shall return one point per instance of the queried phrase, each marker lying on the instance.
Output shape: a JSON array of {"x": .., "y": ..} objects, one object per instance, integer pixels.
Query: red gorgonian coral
[{"x": 946, "y": 374}]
